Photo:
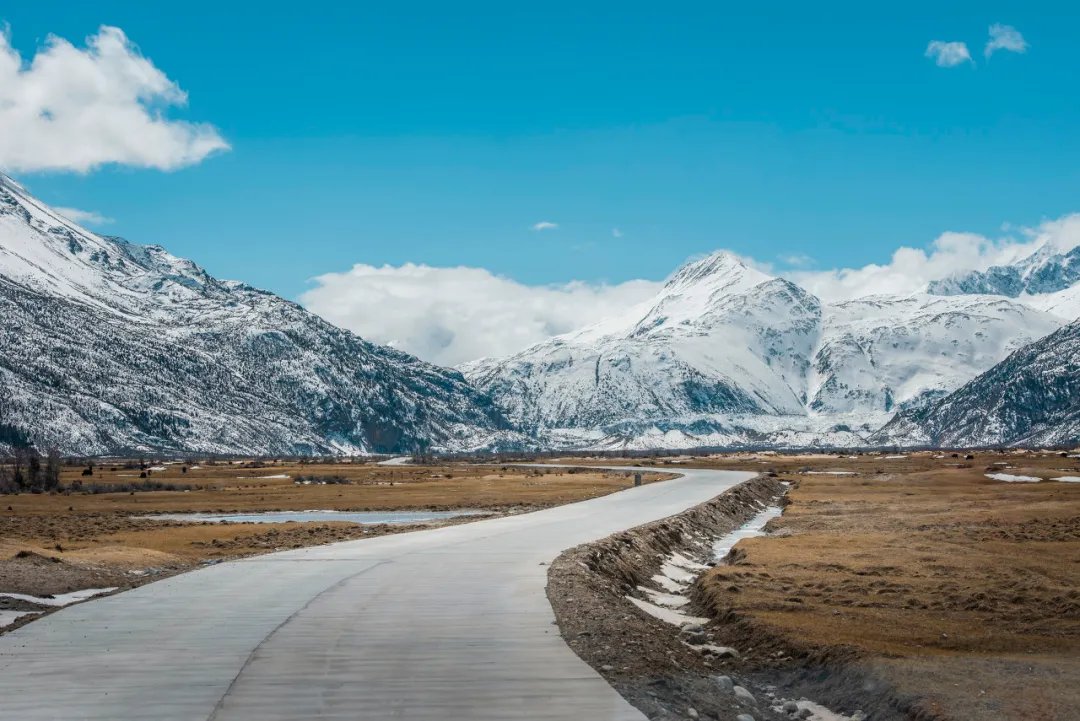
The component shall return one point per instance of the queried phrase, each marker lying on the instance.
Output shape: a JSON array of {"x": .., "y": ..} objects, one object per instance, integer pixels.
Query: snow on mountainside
[
  {"x": 107, "y": 346},
  {"x": 1064, "y": 304},
  {"x": 1048, "y": 279},
  {"x": 1030, "y": 398},
  {"x": 882, "y": 353},
  {"x": 660, "y": 360},
  {"x": 727, "y": 355}
]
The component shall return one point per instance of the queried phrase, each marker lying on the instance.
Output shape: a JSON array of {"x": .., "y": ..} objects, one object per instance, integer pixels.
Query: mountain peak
[
  {"x": 720, "y": 270},
  {"x": 1048, "y": 269},
  {"x": 111, "y": 347},
  {"x": 6, "y": 181}
]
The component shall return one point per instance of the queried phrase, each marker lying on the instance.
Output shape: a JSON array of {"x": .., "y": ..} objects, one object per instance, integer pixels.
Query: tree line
[{"x": 28, "y": 471}]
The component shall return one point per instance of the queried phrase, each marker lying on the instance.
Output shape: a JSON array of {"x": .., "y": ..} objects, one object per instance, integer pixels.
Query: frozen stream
[
  {"x": 754, "y": 527},
  {"x": 677, "y": 572}
]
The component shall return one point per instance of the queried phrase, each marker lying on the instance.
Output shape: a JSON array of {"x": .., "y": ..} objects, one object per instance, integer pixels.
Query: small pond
[{"x": 363, "y": 517}]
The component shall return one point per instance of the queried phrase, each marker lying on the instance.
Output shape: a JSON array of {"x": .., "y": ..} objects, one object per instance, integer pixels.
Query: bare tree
[
  {"x": 51, "y": 479},
  {"x": 33, "y": 470},
  {"x": 18, "y": 462}
]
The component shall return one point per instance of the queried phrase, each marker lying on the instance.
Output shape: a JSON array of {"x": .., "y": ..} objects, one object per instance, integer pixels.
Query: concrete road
[{"x": 451, "y": 623}]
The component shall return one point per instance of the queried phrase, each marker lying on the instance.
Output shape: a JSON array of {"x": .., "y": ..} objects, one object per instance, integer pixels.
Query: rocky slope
[
  {"x": 1030, "y": 398},
  {"x": 107, "y": 347},
  {"x": 727, "y": 355},
  {"x": 1047, "y": 270}
]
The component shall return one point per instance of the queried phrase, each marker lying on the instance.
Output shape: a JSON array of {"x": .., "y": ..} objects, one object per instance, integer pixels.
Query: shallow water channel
[{"x": 361, "y": 517}]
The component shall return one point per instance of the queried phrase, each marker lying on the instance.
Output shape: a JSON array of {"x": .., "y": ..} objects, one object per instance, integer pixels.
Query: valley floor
[
  {"x": 962, "y": 589},
  {"x": 58, "y": 543},
  {"x": 949, "y": 583}
]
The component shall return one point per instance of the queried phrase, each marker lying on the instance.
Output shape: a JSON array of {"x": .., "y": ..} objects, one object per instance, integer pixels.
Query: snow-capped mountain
[
  {"x": 660, "y": 360},
  {"x": 107, "y": 346},
  {"x": 883, "y": 353},
  {"x": 727, "y": 355},
  {"x": 1048, "y": 279},
  {"x": 1030, "y": 398}
]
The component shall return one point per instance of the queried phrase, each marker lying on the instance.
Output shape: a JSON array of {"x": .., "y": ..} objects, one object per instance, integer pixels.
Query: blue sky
[{"x": 440, "y": 133}]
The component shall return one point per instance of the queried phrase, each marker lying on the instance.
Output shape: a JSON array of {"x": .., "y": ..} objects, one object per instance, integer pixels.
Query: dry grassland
[
  {"x": 958, "y": 588},
  {"x": 54, "y": 543}
]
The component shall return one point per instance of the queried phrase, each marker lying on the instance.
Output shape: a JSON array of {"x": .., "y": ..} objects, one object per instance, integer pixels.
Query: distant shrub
[
  {"x": 322, "y": 480},
  {"x": 98, "y": 488}
]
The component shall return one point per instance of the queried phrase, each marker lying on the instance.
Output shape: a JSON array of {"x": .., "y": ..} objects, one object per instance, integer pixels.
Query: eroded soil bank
[{"x": 714, "y": 665}]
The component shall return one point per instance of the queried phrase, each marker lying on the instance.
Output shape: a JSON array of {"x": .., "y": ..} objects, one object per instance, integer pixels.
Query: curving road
[{"x": 451, "y": 623}]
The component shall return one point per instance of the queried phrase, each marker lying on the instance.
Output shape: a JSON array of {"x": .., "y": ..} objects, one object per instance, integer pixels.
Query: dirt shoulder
[{"x": 646, "y": 659}]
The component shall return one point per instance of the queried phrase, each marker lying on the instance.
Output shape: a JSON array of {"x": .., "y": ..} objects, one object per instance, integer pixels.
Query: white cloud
[
  {"x": 948, "y": 55},
  {"x": 75, "y": 109},
  {"x": 616, "y": 233},
  {"x": 452, "y": 315},
  {"x": 797, "y": 260},
  {"x": 544, "y": 225},
  {"x": 911, "y": 269},
  {"x": 84, "y": 217},
  {"x": 1005, "y": 37}
]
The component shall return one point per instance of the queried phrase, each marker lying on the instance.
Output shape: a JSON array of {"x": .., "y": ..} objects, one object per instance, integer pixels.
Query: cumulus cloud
[
  {"x": 1005, "y": 37},
  {"x": 797, "y": 260},
  {"x": 84, "y": 217},
  {"x": 948, "y": 54},
  {"x": 452, "y": 315},
  {"x": 911, "y": 269},
  {"x": 75, "y": 109},
  {"x": 544, "y": 225}
]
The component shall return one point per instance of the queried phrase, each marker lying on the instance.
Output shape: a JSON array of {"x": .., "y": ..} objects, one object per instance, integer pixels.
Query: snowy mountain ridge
[
  {"x": 1045, "y": 271},
  {"x": 727, "y": 355},
  {"x": 107, "y": 347},
  {"x": 1030, "y": 398}
]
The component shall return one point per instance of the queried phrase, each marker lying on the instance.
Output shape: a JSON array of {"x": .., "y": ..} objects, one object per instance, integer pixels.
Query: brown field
[
  {"x": 54, "y": 543},
  {"x": 955, "y": 587}
]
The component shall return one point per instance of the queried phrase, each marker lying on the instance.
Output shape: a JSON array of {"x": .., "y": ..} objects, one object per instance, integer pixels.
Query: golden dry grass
[
  {"x": 106, "y": 528},
  {"x": 964, "y": 589}
]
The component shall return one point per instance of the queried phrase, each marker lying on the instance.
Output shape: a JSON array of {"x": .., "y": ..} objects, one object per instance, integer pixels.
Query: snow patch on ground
[
  {"x": 59, "y": 600},
  {"x": 682, "y": 561},
  {"x": 754, "y": 527},
  {"x": 671, "y": 600},
  {"x": 677, "y": 573},
  {"x": 1010, "y": 478},
  {"x": 668, "y": 584},
  {"x": 1067, "y": 479},
  {"x": 666, "y": 614},
  {"x": 821, "y": 713},
  {"x": 9, "y": 617}
]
